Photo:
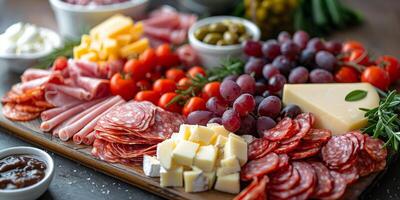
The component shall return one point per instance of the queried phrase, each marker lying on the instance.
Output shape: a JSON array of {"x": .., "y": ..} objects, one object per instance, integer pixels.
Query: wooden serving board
[{"x": 30, "y": 132}]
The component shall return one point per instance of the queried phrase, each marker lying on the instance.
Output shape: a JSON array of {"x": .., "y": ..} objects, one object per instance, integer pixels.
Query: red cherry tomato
[
  {"x": 148, "y": 95},
  {"x": 196, "y": 70},
  {"x": 123, "y": 86},
  {"x": 166, "y": 57},
  {"x": 149, "y": 58},
  {"x": 165, "y": 99},
  {"x": 136, "y": 69},
  {"x": 164, "y": 85},
  {"x": 352, "y": 45},
  {"x": 376, "y": 76},
  {"x": 143, "y": 85},
  {"x": 194, "y": 103},
  {"x": 60, "y": 63},
  {"x": 391, "y": 65},
  {"x": 211, "y": 90},
  {"x": 175, "y": 74},
  {"x": 359, "y": 57},
  {"x": 347, "y": 75},
  {"x": 184, "y": 83}
]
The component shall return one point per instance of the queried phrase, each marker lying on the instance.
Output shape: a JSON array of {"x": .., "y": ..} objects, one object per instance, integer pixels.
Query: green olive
[
  {"x": 200, "y": 33},
  {"x": 231, "y": 37},
  {"x": 212, "y": 38},
  {"x": 217, "y": 28},
  {"x": 244, "y": 37},
  {"x": 221, "y": 43}
]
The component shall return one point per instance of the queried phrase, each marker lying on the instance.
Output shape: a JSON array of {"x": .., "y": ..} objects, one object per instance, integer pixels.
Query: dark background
[{"x": 380, "y": 33}]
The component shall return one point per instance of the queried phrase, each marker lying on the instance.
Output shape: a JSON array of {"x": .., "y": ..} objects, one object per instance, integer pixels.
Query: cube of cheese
[
  {"x": 184, "y": 132},
  {"x": 220, "y": 141},
  {"x": 85, "y": 41},
  {"x": 327, "y": 102},
  {"x": 229, "y": 183},
  {"x": 201, "y": 134},
  {"x": 236, "y": 146},
  {"x": 113, "y": 26},
  {"x": 185, "y": 152},
  {"x": 110, "y": 46},
  {"x": 135, "y": 48},
  {"x": 195, "y": 181},
  {"x": 230, "y": 164},
  {"x": 218, "y": 129},
  {"x": 91, "y": 56},
  {"x": 151, "y": 166},
  {"x": 210, "y": 176},
  {"x": 164, "y": 153},
  {"x": 205, "y": 158},
  {"x": 124, "y": 39},
  {"x": 79, "y": 51},
  {"x": 136, "y": 31},
  {"x": 172, "y": 177}
]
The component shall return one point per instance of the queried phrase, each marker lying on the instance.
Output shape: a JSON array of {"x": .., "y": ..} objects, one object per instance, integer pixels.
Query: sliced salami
[
  {"x": 260, "y": 147},
  {"x": 286, "y": 148},
  {"x": 260, "y": 167},
  {"x": 339, "y": 187},
  {"x": 288, "y": 184},
  {"x": 317, "y": 135},
  {"x": 257, "y": 191},
  {"x": 283, "y": 161},
  {"x": 308, "y": 145},
  {"x": 356, "y": 143},
  {"x": 374, "y": 147},
  {"x": 350, "y": 175},
  {"x": 337, "y": 151},
  {"x": 324, "y": 180},
  {"x": 304, "y": 122},
  {"x": 285, "y": 128},
  {"x": 297, "y": 155},
  {"x": 10, "y": 112},
  {"x": 360, "y": 137},
  {"x": 246, "y": 192},
  {"x": 380, "y": 165},
  {"x": 282, "y": 175},
  {"x": 364, "y": 163}
]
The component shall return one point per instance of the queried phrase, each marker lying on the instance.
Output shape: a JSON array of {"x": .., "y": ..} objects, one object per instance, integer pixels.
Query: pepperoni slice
[
  {"x": 28, "y": 108},
  {"x": 308, "y": 145},
  {"x": 283, "y": 161},
  {"x": 360, "y": 137},
  {"x": 286, "y": 148},
  {"x": 365, "y": 165},
  {"x": 307, "y": 181},
  {"x": 304, "y": 121},
  {"x": 337, "y": 151},
  {"x": 260, "y": 147},
  {"x": 325, "y": 182},
  {"x": 297, "y": 155},
  {"x": 257, "y": 191},
  {"x": 245, "y": 193},
  {"x": 285, "y": 127},
  {"x": 260, "y": 167},
  {"x": 356, "y": 143},
  {"x": 317, "y": 135},
  {"x": 339, "y": 187},
  {"x": 350, "y": 175},
  {"x": 288, "y": 184},
  {"x": 304, "y": 195},
  {"x": 374, "y": 147},
  {"x": 10, "y": 112},
  {"x": 282, "y": 175}
]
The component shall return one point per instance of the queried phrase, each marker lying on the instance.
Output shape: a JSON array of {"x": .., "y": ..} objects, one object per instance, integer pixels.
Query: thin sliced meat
[
  {"x": 297, "y": 155},
  {"x": 339, "y": 187},
  {"x": 28, "y": 108},
  {"x": 291, "y": 182},
  {"x": 282, "y": 175},
  {"x": 169, "y": 35},
  {"x": 33, "y": 73},
  {"x": 59, "y": 99},
  {"x": 364, "y": 163},
  {"x": 350, "y": 175},
  {"x": 171, "y": 21},
  {"x": 49, "y": 114},
  {"x": 89, "y": 138},
  {"x": 244, "y": 194},
  {"x": 283, "y": 161},
  {"x": 284, "y": 128},
  {"x": 286, "y": 148},
  {"x": 72, "y": 91},
  {"x": 260, "y": 167},
  {"x": 317, "y": 135},
  {"x": 258, "y": 192},
  {"x": 10, "y": 112},
  {"x": 95, "y": 86},
  {"x": 337, "y": 151},
  {"x": 54, "y": 78},
  {"x": 325, "y": 181},
  {"x": 304, "y": 121},
  {"x": 375, "y": 148},
  {"x": 259, "y": 148}
]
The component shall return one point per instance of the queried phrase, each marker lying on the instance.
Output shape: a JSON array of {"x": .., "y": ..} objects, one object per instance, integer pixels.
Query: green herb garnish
[{"x": 356, "y": 95}]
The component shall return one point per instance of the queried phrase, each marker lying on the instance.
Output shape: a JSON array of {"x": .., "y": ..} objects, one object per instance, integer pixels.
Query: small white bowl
[
  {"x": 34, "y": 191},
  {"x": 73, "y": 20},
  {"x": 211, "y": 55},
  {"x": 20, "y": 62}
]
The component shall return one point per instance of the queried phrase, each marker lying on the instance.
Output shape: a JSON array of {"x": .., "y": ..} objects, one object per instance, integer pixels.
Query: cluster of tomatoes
[{"x": 359, "y": 66}]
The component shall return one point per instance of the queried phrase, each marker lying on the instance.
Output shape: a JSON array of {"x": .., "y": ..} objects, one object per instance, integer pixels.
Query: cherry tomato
[
  {"x": 165, "y": 99},
  {"x": 164, "y": 85},
  {"x": 175, "y": 74},
  {"x": 391, "y": 65},
  {"x": 60, "y": 63},
  {"x": 166, "y": 57},
  {"x": 136, "y": 69},
  {"x": 149, "y": 58},
  {"x": 123, "y": 86},
  {"x": 194, "y": 103},
  {"x": 148, "y": 95},
  {"x": 143, "y": 85},
  {"x": 347, "y": 75},
  {"x": 376, "y": 76},
  {"x": 196, "y": 70},
  {"x": 352, "y": 45},
  {"x": 184, "y": 83},
  {"x": 211, "y": 90},
  {"x": 359, "y": 57}
]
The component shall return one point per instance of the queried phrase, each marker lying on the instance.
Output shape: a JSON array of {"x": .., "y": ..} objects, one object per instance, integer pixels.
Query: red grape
[
  {"x": 264, "y": 123},
  {"x": 307, "y": 57},
  {"x": 269, "y": 71},
  {"x": 334, "y": 47},
  {"x": 246, "y": 83},
  {"x": 261, "y": 87},
  {"x": 325, "y": 60},
  {"x": 271, "y": 49},
  {"x": 229, "y": 90},
  {"x": 216, "y": 120},
  {"x": 276, "y": 83},
  {"x": 283, "y": 37},
  {"x": 244, "y": 104},
  {"x": 301, "y": 38},
  {"x": 231, "y": 120},
  {"x": 247, "y": 125},
  {"x": 290, "y": 49},
  {"x": 315, "y": 44},
  {"x": 283, "y": 64},
  {"x": 216, "y": 105},
  {"x": 270, "y": 107},
  {"x": 291, "y": 111},
  {"x": 258, "y": 100},
  {"x": 254, "y": 66},
  {"x": 320, "y": 76},
  {"x": 231, "y": 77},
  {"x": 252, "y": 48},
  {"x": 199, "y": 117},
  {"x": 298, "y": 75}
]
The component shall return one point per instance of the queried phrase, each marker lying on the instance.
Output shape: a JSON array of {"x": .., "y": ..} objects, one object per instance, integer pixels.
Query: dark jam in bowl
[{"x": 19, "y": 171}]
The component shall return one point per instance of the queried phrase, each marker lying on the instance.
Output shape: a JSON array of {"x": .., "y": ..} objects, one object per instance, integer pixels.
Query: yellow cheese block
[
  {"x": 185, "y": 152},
  {"x": 113, "y": 26},
  {"x": 327, "y": 103},
  {"x": 205, "y": 158},
  {"x": 229, "y": 183},
  {"x": 218, "y": 129},
  {"x": 236, "y": 147},
  {"x": 136, "y": 31},
  {"x": 201, "y": 134},
  {"x": 220, "y": 141},
  {"x": 91, "y": 56},
  {"x": 172, "y": 177},
  {"x": 79, "y": 51},
  {"x": 231, "y": 164},
  {"x": 184, "y": 132},
  {"x": 195, "y": 181},
  {"x": 86, "y": 40},
  {"x": 135, "y": 48},
  {"x": 164, "y": 153},
  {"x": 124, "y": 39}
]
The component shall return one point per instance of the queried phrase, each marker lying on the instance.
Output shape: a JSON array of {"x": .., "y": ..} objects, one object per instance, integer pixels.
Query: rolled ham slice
[
  {"x": 50, "y": 124},
  {"x": 88, "y": 128},
  {"x": 173, "y": 36},
  {"x": 32, "y": 73},
  {"x": 89, "y": 139},
  {"x": 68, "y": 131},
  {"x": 49, "y": 114}
]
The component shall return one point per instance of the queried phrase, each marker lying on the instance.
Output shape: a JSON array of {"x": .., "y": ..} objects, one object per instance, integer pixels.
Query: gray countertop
[{"x": 381, "y": 32}]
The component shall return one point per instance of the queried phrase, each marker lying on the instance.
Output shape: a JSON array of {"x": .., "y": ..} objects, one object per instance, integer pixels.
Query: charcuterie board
[{"x": 30, "y": 132}]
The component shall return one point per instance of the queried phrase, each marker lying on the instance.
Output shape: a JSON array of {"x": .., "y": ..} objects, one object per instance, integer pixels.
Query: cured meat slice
[
  {"x": 283, "y": 161},
  {"x": 380, "y": 165},
  {"x": 95, "y": 86},
  {"x": 360, "y": 137},
  {"x": 297, "y": 155},
  {"x": 28, "y": 108},
  {"x": 308, "y": 145},
  {"x": 260, "y": 167},
  {"x": 364, "y": 163},
  {"x": 283, "y": 129},
  {"x": 282, "y": 175},
  {"x": 303, "y": 195},
  {"x": 32, "y": 73},
  {"x": 339, "y": 187},
  {"x": 256, "y": 190},
  {"x": 10, "y": 112},
  {"x": 286, "y": 148},
  {"x": 245, "y": 193},
  {"x": 89, "y": 139},
  {"x": 337, "y": 151},
  {"x": 307, "y": 181},
  {"x": 350, "y": 175},
  {"x": 317, "y": 135},
  {"x": 259, "y": 148},
  {"x": 291, "y": 182},
  {"x": 324, "y": 180},
  {"x": 72, "y": 91},
  {"x": 375, "y": 148},
  {"x": 356, "y": 144},
  {"x": 176, "y": 36},
  {"x": 305, "y": 121}
]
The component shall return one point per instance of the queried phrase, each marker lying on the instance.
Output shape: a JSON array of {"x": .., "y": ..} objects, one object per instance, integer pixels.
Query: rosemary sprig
[
  {"x": 66, "y": 50},
  {"x": 383, "y": 121}
]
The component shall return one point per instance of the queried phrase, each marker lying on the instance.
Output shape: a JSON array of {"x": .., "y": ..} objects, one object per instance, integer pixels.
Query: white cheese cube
[
  {"x": 172, "y": 177},
  {"x": 151, "y": 166},
  {"x": 229, "y": 183},
  {"x": 174, "y": 136},
  {"x": 230, "y": 164},
  {"x": 195, "y": 181},
  {"x": 220, "y": 141},
  {"x": 184, "y": 132},
  {"x": 218, "y": 129},
  {"x": 205, "y": 158},
  {"x": 164, "y": 153},
  {"x": 201, "y": 134},
  {"x": 236, "y": 146},
  {"x": 211, "y": 179},
  {"x": 185, "y": 152}
]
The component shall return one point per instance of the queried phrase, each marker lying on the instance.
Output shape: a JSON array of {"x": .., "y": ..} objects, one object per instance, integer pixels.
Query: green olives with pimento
[{"x": 222, "y": 33}]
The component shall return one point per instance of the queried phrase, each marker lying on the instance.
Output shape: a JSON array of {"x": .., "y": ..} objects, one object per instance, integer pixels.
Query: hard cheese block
[{"x": 327, "y": 102}]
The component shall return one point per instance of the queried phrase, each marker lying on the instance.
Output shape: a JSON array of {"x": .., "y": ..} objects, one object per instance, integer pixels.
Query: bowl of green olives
[{"x": 216, "y": 38}]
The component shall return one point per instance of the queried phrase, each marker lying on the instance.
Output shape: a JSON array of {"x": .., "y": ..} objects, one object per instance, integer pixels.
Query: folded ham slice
[
  {"x": 68, "y": 131},
  {"x": 169, "y": 35},
  {"x": 32, "y": 74},
  {"x": 49, "y": 114},
  {"x": 95, "y": 86}
]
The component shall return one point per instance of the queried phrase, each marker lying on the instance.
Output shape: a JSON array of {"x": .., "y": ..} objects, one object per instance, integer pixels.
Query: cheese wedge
[
  {"x": 151, "y": 166},
  {"x": 327, "y": 102}
]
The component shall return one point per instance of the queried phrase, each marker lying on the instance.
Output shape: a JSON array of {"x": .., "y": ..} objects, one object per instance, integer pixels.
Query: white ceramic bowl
[
  {"x": 19, "y": 63},
  {"x": 73, "y": 20},
  {"x": 34, "y": 191},
  {"x": 211, "y": 55}
]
